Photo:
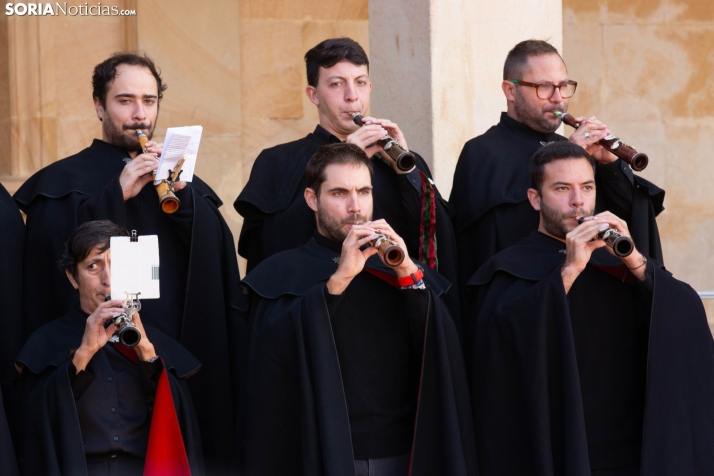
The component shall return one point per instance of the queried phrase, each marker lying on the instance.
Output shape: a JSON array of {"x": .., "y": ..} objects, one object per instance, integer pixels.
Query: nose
[
  {"x": 350, "y": 92},
  {"x": 576, "y": 198},
  {"x": 106, "y": 277},
  {"x": 139, "y": 113},
  {"x": 353, "y": 205},
  {"x": 556, "y": 97}
]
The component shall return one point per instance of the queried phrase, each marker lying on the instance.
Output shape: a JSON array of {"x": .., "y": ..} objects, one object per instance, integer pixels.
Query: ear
[
  {"x": 509, "y": 90},
  {"x": 311, "y": 93},
  {"x": 74, "y": 282},
  {"x": 534, "y": 198},
  {"x": 311, "y": 199},
  {"x": 99, "y": 109}
]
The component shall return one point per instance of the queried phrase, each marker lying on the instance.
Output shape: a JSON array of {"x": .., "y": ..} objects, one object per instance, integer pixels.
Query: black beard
[
  {"x": 554, "y": 221},
  {"x": 332, "y": 228},
  {"x": 534, "y": 118},
  {"x": 117, "y": 138}
]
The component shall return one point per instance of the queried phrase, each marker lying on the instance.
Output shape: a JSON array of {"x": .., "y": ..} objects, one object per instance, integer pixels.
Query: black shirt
[
  {"x": 114, "y": 400},
  {"x": 379, "y": 334}
]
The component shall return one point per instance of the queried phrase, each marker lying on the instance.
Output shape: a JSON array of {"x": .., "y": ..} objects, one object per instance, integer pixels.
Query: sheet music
[
  {"x": 180, "y": 142},
  {"x": 135, "y": 266}
]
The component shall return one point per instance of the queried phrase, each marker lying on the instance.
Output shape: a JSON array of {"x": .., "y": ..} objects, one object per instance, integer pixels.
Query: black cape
[
  {"x": 46, "y": 429},
  {"x": 525, "y": 387},
  {"x": 8, "y": 463},
  {"x": 297, "y": 416},
  {"x": 12, "y": 240},
  {"x": 272, "y": 201},
  {"x": 199, "y": 271},
  {"x": 490, "y": 203}
]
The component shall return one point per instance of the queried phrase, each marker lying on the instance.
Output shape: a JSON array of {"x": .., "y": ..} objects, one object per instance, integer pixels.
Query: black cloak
[
  {"x": 490, "y": 203},
  {"x": 12, "y": 240},
  {"x": 272, "y": 201},
  {"x": 524, "y": 379},
  {"x": 297, "y": 415},
  {"x": 46, "y": 426},
  {"x": 8, "y": 464},
  {"x": 199, "y": 270}
]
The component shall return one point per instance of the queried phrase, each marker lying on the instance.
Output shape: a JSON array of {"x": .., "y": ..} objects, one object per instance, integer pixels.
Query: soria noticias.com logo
[{"x": 63, "y": 8}]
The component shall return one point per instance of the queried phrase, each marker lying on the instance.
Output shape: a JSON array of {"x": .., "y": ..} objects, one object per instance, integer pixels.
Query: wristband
[
  {"x": 643, "y": 263},
  {"x": 412, "y": 279}
]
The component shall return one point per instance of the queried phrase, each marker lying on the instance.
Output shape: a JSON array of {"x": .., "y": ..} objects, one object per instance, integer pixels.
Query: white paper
[
  {"x": 135, "y": 266},
  {"x": 180, "y": 142}
]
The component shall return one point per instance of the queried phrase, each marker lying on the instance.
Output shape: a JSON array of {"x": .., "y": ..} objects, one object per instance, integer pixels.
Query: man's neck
[{"x": 340, "y": 135}]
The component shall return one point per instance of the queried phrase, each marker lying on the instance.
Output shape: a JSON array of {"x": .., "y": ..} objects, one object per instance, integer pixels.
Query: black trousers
[
  {"x": 392, "y": 466},
  {"x": 121, "y": 464}
]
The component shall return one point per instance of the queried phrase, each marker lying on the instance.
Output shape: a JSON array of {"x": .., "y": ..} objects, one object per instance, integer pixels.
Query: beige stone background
[
  {"x": 236, "y": 68},
  {"x": 646, "y": 68}
]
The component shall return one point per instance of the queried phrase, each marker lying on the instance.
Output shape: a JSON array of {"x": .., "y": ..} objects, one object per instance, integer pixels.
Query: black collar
[
  {"x": 327, "y": 242},
  {"x": 546, "y": 240},
  {"x": 325, "y": 135},
  {"x": 107, "y": 149},
  {"x": 512, "y": 124}
]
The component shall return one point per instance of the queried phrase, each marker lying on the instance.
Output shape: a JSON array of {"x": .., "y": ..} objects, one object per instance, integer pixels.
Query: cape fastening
[{"x": 165, "y": 453}]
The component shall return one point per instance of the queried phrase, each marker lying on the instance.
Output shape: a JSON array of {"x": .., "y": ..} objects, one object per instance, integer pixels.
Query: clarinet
[
  {"x": 405, "y": 160},
  {"x": 637, "y": 160},
  {"x": 620, "y": 244},
  {"x": 168, "y": 200}
]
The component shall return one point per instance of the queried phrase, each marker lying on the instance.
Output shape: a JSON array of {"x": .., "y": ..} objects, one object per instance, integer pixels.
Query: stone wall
[
  {"x": 234, "y": 67},
  {"x": 645, "y": 68}
]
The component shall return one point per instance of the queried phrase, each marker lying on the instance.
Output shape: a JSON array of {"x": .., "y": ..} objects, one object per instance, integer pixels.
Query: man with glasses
[{"x": 491, "y": 178}]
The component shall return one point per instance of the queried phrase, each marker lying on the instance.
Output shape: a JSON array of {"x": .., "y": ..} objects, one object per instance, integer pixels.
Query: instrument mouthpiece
[{"x": 357, "y": 118}]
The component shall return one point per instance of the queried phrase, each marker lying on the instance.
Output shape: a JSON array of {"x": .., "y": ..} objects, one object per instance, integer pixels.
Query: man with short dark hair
[
  {"x": 88, "y": 406},
  {"x": 582, "y": 362},
  {"x": 355, "y": 366},
  {"x": 491, "y": 208},
  {"x": 112, "y": 179},
  {"x": 271, "y": 202}
]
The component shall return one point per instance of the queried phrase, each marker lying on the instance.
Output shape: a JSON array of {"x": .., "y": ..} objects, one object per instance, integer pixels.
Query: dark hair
[
  {"x": 517, "y": 59},
  {"x": 106, "y": 71},
  {"x": 330, "y": 52},
  {"x": 84, "y": 239},
  {"x": 561, "y": 150},
  {"x": 340, "y": 153}
]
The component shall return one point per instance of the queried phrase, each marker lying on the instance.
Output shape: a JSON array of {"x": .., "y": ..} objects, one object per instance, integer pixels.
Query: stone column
[{"x": 437, "y": 65}]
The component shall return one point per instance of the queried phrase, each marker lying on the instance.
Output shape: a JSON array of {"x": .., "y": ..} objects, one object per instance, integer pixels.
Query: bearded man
[
  {"x": 112, "y": 180},
  {"x": 489, "y": 194},
  {"x": 581, "y": 362},
  {"x": 356, "y": 366}
]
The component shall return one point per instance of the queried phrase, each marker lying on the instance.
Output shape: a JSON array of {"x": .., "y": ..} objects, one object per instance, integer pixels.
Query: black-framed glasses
[{"x": 546, "y": 90}]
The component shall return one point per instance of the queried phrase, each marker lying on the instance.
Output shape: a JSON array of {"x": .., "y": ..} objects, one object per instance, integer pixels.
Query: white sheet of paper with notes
[
  {"x": 180, "y": 142},
  {"x": 135, "y": 266}
]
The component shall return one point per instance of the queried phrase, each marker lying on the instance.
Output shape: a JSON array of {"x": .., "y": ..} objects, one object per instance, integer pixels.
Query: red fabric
[
  {"x": 427, "y": 248},
  {"x": 165, "y": 453},
  {"x": 411, "y": 279},
  {"x": 620, "y": 272},
  {"x": 389, "y": 278}
]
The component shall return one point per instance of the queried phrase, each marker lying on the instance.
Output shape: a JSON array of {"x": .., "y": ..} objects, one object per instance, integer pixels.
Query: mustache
[
  {"x": 577, "y": 212},
  {"x": 354, "y": 218},
  {"x": 138, "y": 125}
]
